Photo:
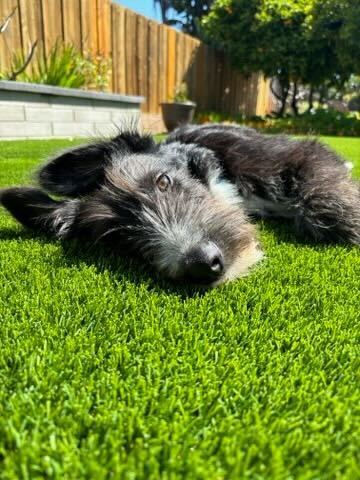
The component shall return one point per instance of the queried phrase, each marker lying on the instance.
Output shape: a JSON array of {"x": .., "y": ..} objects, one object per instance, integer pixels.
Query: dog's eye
[{"x": 163, "y": 182}]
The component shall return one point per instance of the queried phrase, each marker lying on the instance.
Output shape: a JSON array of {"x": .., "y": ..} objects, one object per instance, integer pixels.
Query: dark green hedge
[{"x": 318, "y": 122}]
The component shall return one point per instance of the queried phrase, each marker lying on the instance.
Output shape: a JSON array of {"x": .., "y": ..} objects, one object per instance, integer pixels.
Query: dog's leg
[{"x": 35, "y": 210}]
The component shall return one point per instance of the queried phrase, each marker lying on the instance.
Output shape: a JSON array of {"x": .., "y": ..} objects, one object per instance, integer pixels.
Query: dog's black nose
[{"x": 204, "y": 264}]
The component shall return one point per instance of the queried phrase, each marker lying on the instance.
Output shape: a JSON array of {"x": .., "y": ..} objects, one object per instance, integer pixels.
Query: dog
[{"x": 185, "y": 205}]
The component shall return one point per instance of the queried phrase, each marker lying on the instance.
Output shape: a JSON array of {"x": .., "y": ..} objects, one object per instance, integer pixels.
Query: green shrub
[
  {"x": 318, "y": 122},
  {"x": 181, "y": 94},
  {"x": 65, "y": 66}
]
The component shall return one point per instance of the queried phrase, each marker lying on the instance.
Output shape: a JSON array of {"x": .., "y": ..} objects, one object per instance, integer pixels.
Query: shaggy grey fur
[
  {"x": 183, "y": 205},
  {"x": 300, "y": 179}
]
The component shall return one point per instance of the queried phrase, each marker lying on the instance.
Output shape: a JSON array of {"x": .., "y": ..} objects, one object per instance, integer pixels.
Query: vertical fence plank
[
  {"x": 180, "y": 57},
  {"x": 52, "y": 23},
  {"x": 191, "y": 46},
  {"x": 32, "y": 28},
  {"x": 212, "y": 74},
  {"x": 245, "y": 96},
  {"x": 201, "y": 80},
  {"x": 192, "y": 74},
  {"x": 253, "y": 94},
  {"x": 118, "y": 48},
  {"x": 142, "y": 60},
  {"x": 260, "y": 100},
  {"x": 10, "y": 40},
  {"x": 130, "y": 45},
  {"x": 220, "y": 93},
  {"x": 162, "y": 56},
  {"x": 153, "y": 67},
  {"x": 89, "y": 33},
  {"x": 188, "y": 63},
  {"x": 31, "y": 22},
  {"x": 265, "y": 87},
  {"x": 250, "y": 88},
  {"x": 226, "y": 85},
  {"x": 103, "y": 27},
  {"x": 218, "y": 73},
  {"x": 72, "y": 22},
  {"x": 234, "y": 95},
  {"x": 238, "y": 82},
  {"x": 114, "y": 49},
  {"x": 269, "y": 105},
  {"x": 104, "y": 31},
  {"x": 171, "y": 62},
  {"x": 230, "y": 91}
]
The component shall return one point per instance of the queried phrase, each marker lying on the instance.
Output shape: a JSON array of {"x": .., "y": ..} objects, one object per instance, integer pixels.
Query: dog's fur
[{"x": 186, "y": 202}]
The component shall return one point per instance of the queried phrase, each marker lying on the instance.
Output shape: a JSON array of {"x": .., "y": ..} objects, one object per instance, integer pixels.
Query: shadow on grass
[
  {"x": 19, "y": 234},
  {"x": 124, "y": 269},
  {"x": 74, "y": 253},
  {"x": 285, "y": 232}
]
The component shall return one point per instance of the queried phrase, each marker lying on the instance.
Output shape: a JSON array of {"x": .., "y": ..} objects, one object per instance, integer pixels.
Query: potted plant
[{"x": 180, "y": 110}]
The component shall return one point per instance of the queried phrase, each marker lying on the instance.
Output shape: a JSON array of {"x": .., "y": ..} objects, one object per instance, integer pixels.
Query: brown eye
[{"x": 163, "y": 182}]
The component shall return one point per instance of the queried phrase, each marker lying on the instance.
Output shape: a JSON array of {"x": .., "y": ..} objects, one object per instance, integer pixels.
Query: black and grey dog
[{"x": 183, "y": 205}]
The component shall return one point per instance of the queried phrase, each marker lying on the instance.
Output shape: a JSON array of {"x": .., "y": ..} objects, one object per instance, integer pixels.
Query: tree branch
[
  {"x": 27, "y": 60},
  {"x": 4, "y": 25}
]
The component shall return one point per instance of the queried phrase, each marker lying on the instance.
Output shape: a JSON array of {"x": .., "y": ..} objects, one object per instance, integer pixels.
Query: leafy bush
[
  {"x": 298, "y": 42},
  {"x": 97, "y": 71},
  {"x": 317, "y": 122},
  {"x": 65, "y": 66},
  {"x": 181, "y": 94}
]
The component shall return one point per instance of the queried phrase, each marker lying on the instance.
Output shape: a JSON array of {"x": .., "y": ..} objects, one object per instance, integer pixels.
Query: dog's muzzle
[{"x": 204, "y": 264}]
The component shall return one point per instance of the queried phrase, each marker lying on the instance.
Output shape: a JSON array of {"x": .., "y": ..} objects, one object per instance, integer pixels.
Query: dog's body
[{"x": 183, "y": 205}]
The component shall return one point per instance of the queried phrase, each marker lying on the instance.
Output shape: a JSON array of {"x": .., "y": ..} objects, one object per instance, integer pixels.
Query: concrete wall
[{"x": 42, "y": 111}]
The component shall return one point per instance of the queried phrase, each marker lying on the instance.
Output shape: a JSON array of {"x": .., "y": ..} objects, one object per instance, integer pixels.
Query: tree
[
  {"x": 185, "y": 13},
  {"x": 333, "y": 47},
  {"x": 164, "y": 9},
  {"x": 296, "y": 42}
]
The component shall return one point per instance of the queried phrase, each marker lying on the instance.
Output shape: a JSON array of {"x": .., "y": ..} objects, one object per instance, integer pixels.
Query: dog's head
[{"x": 168, "y": 204}]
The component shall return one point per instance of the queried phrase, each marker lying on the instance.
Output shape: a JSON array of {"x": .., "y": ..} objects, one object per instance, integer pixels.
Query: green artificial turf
[{"x": 106, "y": 372}]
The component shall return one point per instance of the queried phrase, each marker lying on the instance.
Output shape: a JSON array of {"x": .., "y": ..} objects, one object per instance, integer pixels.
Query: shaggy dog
[{"x": 183, "y": 205}]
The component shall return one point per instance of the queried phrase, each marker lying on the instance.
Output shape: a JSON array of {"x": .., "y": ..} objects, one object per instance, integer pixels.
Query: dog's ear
[
  {"x": 203, "y": 164},
  {"x": 37, "y": 211},
  {"x": 82, "y": 170},
  {"x": 76, "y": 172}
]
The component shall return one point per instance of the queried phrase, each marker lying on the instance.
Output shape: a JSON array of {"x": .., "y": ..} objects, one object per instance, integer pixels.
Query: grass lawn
[{"x": 108, "y": 373}]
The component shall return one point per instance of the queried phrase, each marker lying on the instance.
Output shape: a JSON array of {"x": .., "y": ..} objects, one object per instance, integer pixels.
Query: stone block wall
[{"x": 42, "y": 111}]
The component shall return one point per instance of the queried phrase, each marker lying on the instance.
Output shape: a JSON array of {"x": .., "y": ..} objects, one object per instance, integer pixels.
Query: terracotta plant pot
[{"x": 176, "y": 114}]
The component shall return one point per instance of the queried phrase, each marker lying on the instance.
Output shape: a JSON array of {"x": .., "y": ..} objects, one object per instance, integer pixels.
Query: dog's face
[
  {"x": 170, "y": 205},
  {"x": 173, "y": 208}
]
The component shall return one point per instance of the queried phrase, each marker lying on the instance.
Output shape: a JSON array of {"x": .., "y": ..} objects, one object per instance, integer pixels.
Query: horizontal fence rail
[{"x": 148, "y": 58}]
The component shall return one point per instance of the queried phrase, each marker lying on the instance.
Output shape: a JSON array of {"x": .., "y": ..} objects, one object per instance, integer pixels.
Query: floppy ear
[
  {"x": 75, "y": 172},
  {"x": 82, "y": 170},
  {"x": 203, "y": 164},
  {"x": 34, "y": 209}
]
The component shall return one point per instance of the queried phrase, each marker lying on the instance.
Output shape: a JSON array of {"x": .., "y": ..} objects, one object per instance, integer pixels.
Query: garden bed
[{"x": 42, "y": 111}]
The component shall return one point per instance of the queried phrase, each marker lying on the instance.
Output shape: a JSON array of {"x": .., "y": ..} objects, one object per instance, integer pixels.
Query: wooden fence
[{"x": 148, "y": 58}]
